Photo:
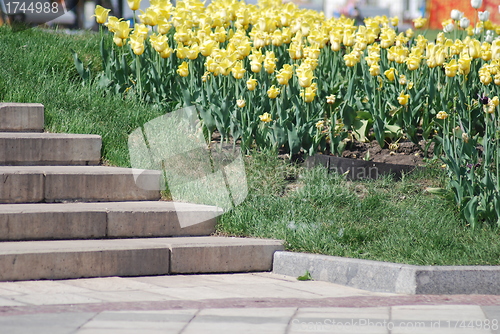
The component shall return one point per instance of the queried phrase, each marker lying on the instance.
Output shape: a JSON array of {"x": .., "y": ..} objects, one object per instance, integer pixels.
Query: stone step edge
[
  {"x": 33, "y": 260},
  {"x": 378, "y": 276},
  {"x": 135, "y": 219},
  {"x": 42, "y": 149},
  {"x": 36, "y": 184},
  {"x": 24, "y": 117}
]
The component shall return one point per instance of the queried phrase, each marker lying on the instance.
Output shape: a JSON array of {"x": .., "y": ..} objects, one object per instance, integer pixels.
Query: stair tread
[
  {"x": 142, "y": 206},
  {"x": 63, "y": 246},
  {"x": 71, "y": 170},
  {"x": 46, "y": 135}
]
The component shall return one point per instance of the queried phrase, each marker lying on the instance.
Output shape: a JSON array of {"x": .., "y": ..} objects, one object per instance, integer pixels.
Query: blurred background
[{"x": 77, "y": 14}]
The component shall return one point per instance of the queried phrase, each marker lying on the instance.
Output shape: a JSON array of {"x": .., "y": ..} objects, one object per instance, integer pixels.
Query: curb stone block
[{"x": 380, "y": 276}]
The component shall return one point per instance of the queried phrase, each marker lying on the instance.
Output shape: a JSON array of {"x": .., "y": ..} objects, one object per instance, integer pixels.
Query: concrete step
[
  {"x": 30, "y": 260},
  {"x": 29, "y": 149},
  {"x": 31, "y": 184},
  {"x": 50, "y": 221},
  {"x": 25, "y": 117}
]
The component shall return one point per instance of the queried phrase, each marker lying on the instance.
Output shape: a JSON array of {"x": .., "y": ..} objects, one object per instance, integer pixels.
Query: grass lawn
[{"x": 311, "y": 210}]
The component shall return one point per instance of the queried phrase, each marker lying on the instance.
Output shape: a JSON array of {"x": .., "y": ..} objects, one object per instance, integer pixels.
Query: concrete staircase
[{"x": 63, "y": 216}]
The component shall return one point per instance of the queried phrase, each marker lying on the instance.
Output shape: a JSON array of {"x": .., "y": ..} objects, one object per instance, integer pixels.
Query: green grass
[
  {"x": 37, "y": 67},
  {"x": 377, "y": 220},
  {"x": 311, "y": 210}
]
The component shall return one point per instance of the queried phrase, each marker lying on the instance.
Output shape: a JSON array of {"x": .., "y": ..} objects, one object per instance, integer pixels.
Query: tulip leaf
[{"x": 84, "y": 72}]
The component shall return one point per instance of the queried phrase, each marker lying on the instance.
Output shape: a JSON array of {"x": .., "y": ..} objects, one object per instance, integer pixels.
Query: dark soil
[{"x": 404, "y": 153}]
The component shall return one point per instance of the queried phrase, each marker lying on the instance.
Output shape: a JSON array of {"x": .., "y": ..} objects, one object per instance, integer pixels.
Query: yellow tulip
[
  {"x": 118, "y": 41},
  {"x": 101, "y": 14},
  {"x": 137, "y": 44},
  {"x": 308, "y": 94},
  {"x": 183, "y": 69},
  {"x": 241, "y": 103},
  {"x": 451, "y": 68},
  {"x": 112, "y": 22},
  {"x": 419, "y": 22},
  {"x": 238, "y": 71},
  {"x": 412, "y": 63},
  {"x": 497, "y": 79},
  {"x": 255, "y": 66},
  {"x": 207, "y": 47},
  {"x": 390, "y": 74},
  {"x": 442, "y": 115},
  {"x": 141, "y": 31},
  {"x": 350, "y": 59},
  {"x": 464, "y": 64},
  {"x": 150, "y": 17},
  {"x": 159, "y": 42},
  {"x": 273, "y": 92},
  {"x": 485, "y": 76},
  {"x": 134, "y": 4},
  {"x": 266, "y": 117},
  {"x": 494, "y": 101},
  {"x": 192, "y": 52},
  {"x": 251, "y": 84},
  {"x": 330, "y": 99},
  {"x": 167, "y": 52},
  {"x": 305, "y": 77},
  {"x": 181, "y": 51},
  {"x": 122, "y": 29},
  {"x": 374, "y": 70},
  {"x": 403, "y": 98},
  {"x": 394, "y": 21}
]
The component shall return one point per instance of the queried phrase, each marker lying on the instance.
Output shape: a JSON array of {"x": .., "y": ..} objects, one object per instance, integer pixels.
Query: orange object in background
[{"x": 440, "y": 10}]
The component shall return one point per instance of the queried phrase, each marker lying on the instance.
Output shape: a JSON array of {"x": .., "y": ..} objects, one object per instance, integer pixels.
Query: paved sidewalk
[{"x": 232, "y": 303}]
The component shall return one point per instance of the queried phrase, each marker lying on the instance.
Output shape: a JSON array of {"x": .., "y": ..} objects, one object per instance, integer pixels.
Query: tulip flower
[
  {"x": 484, "y": 16},
  {"x": 101, "y": 14},
  {"x": 122, "y": 29},
  {"x": 442, "y": 115},
  {"x": 390, "y": 74},
  {"x": 137, "y": 44},
  {"x": 112, "y": 23},
  {"x": 419, "y": 22},
  {"x": 464, "y": 64},
  {"x": 464, "y": 23},
  {"x": 403, "y": 98},
  {"x": 265, "y": 117},
  {"x": 494, "y": 101},
  {"x": 456, "y": 14},
  {"x": 374, "y": 70},
  {"x": 238, "y": 71},
  {"x": 183, "y": 69},
  {"x": 476, "y": 3},
  {"x": 451, "y": 68},
  {"x": 167, "y": 52},
  {"x": 273, "y": 92},
  {"x": 251, "y": 84},
  {"x": 134, "y": 4},
  {"x": 159, "y": 42},
  {"x": 330, "y": 99},
  {"x": 150, "y": 17},
  {"x": 305, "y": 77},
  {"x": 241, "y": 103},
  {"x": 308, "y": 94}
]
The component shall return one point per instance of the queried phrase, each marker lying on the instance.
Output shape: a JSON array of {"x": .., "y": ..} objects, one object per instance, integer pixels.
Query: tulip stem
[{"x": 138, "y": 74}]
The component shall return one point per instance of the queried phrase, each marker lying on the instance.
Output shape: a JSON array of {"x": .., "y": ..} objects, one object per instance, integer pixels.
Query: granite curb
[{"x": 380, "y": 276}]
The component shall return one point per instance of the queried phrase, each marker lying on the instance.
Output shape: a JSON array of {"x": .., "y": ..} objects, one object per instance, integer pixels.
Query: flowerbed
[{"x": 275, "y": 76}]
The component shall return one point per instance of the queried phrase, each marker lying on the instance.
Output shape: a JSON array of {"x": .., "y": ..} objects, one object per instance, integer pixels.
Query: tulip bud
[
  {"x": 476, "y": 3},
  {"x": 484, "y": 16},
  {"x": 464, "y": 23},
  {"x": 456, "y": 14}
]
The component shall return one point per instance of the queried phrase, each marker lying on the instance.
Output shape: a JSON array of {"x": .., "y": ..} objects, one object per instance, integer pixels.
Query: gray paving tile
[
  {"x": 40, "y": 287},
  {"x": 44, "y": 323},
  {"x": 108, "y": 284},
  {"x": 444, "y": 313},
  {"x": 127, "y": 296},
  {"x": 10, "y": 302},
  {"x": 54, "y": 299},
  {"x": 492, "y": 313}
]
